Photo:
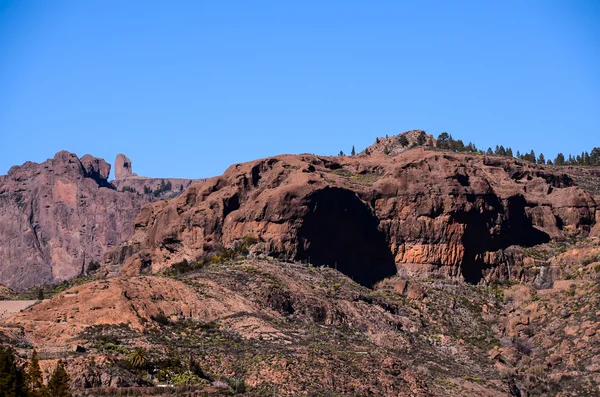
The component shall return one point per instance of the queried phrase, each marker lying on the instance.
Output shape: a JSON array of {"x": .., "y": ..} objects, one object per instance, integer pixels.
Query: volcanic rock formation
[
  {"x": 126, "y": 180},
  {"x": 421, "y": 212},
  {"x": 58, "y": 216},
  {"x": 123, "y": 167},
  {"x": 392, "y": 145}
]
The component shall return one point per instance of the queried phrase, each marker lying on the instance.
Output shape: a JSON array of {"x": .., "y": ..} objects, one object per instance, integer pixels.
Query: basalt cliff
[{"x": 417, "y": 213}]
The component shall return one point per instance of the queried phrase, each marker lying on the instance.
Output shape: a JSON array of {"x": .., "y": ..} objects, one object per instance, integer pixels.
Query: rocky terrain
[
  {"x": 127, "y": 180},
  {"x": 58, "y": 217},
  {"x": 264, "y": 327},
  {"x": 418, "y": 214},
  {"x": 401, "y": 271}
]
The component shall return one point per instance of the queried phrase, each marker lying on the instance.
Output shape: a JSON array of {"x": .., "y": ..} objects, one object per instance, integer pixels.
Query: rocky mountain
[
  {"x": 420, "y": 213},
  {"x": 58, "y": 216},
  {"x": 402, "y": 271}
]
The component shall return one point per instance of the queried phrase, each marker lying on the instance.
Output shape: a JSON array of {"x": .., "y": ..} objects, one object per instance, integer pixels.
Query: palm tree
[{"x": 138, "y": 358}]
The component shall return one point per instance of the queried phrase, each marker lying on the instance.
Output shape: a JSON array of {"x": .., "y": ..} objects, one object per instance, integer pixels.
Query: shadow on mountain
[
  {"x": 482, "y": 233},
  {"x": 340, "y": 231}
]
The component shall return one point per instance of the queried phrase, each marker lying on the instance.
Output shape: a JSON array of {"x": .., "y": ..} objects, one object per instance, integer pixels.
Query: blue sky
[{"x": 186, "y": 88}]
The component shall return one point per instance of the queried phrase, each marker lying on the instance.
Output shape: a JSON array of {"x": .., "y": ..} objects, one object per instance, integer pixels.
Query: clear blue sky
[{"x": 186, "y": 88}]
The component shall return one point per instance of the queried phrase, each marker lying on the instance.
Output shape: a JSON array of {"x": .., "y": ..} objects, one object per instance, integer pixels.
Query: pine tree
[
  {"x": 509, "y": 152},
  {"x": 560, "y": 159},
  {"x": 421, "y": 139},
  {"x": 58, "y": 385},
  {"x": 459, "y": 145},
  {"x": 12, "y": 379},
  {"x": 341, "y": 153},
  {"x": 34, "y": 378},
  {"x": 442, "y": 141},
  {"x": 541, "y": 159},
  {"x": 353, "y": 152}
]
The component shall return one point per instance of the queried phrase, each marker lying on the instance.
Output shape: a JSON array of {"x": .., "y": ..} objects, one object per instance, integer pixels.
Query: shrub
[
  {"x": 523, "y": 346},
  {"x": 108, "y": 339},
  {"x": 237, "y": 384},
  {"x": 93, "y": 266},
  {"x": 161, "y": 318},
  {"x": 187, "y": 379}
]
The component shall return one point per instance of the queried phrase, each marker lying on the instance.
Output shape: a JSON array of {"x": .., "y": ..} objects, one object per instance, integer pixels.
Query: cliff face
[
  {"x": 417, "y": 213},
  {"x": 57, "y": 216}
]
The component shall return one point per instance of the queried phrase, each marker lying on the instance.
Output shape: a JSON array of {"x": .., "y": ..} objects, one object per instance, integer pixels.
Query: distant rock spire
[{"x": 123, "y": 167}]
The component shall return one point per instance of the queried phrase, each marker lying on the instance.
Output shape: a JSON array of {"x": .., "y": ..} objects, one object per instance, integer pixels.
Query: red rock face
[
  {"x": 57, "y": 216},
  {"x": 418, "y": 213}
]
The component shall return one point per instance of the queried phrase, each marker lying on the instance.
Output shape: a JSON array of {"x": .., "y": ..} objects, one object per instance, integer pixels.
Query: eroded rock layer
[{"x": 420, "y": 212}]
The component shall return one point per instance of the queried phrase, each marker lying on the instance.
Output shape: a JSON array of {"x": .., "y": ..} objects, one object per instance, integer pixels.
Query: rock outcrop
[
  {"x": 58, "y": 216},
  {"x": 392, "y": 145},
  {"x": 419, "y": 213},
  {"x": 163, "y": 188},
  {"x": 123, "y": 168}
]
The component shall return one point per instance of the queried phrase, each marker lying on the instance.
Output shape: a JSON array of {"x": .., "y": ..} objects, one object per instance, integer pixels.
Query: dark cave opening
[
  {"x": 340, "y": 231},
  {"x": 498, "y": 227}
]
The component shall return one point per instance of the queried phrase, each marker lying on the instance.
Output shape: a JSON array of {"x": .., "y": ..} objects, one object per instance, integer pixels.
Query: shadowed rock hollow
[
  {"x": 340, "y": 231},
  {"x": 428, "y": 213}
]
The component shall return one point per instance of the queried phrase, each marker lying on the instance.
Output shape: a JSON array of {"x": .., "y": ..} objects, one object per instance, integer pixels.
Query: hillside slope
[{"x": 288, "y": 329}]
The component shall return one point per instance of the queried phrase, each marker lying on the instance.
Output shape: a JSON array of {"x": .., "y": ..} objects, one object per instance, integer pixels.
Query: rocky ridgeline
[
  {"x": 126, "y": 180},
  {"x": 420, "y": 213},
  {"x": 396, "y": 144}
]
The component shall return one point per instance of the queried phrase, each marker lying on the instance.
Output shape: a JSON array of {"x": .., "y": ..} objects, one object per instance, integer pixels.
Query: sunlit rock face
[{"x": 418, "y": 213}]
